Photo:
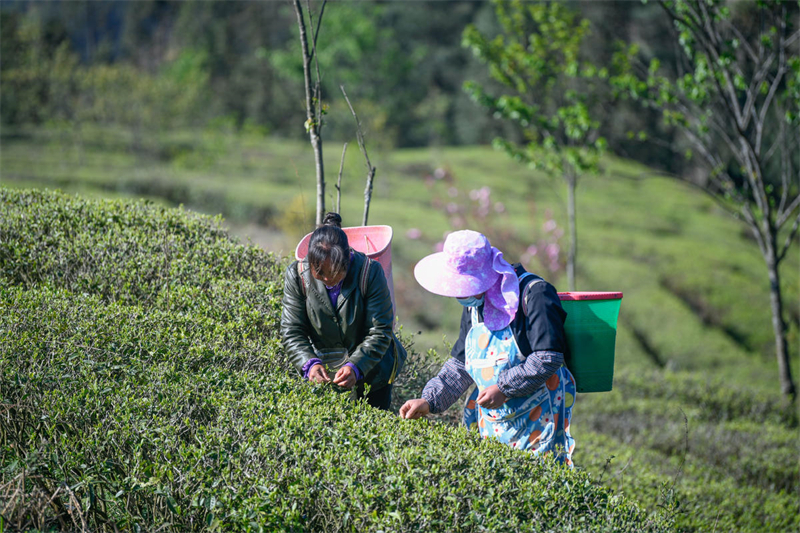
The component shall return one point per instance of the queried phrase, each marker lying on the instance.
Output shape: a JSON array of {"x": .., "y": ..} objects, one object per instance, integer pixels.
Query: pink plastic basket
[{"x": 373, "y": 241}]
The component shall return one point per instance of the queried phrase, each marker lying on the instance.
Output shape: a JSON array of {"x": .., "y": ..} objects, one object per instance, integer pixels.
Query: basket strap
[
  {"x": 302, "y": 279},
  {"x": 524, "y": 293},
  {"x": 365, "y": 277}
]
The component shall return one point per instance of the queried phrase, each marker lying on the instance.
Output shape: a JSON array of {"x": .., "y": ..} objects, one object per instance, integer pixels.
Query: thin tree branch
[
  {"x": 370, "y": 168},
  {"x": 753, "y": 223},
  {"x": 775, "y": 145},
  {"x": 789, "y": 239},
  {"x": 792, "y": 38},
  {"x": 693, "y": 15},
  {"x": 720, "y": 128},
  {"x": 747, "y": 48},
  {"x": 314, "y": 55},
  {"x": 773, "y": 88},
  {"x": 359, "y": 133},
  {"x": 788, "y": 213},
  {"x": 339, "y": 182},
  {"x": 753, "y": 90},
  {"x": 312, "y": 117},
  {"x": 755, "y": 177},
  {"x": 706, "y": 40},
  {"x": 785, "y": 169},
  {"x": 683, "y": 63},
  {"x": 319, "y": 24},
  {"x": 714, "y": 162},
  {"x": 707, "y": 24},
  {"x": 301, "y": 23}
]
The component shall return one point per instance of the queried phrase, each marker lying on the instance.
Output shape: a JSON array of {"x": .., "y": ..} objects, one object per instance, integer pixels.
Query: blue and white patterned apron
[{"x": 538, "y": 423}]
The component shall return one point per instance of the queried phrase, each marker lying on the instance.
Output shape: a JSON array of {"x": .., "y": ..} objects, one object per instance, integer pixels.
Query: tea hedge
[{"x": 142, "y": 387}]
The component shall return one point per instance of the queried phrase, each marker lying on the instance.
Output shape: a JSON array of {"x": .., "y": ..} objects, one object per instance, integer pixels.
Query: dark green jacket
[{"x": 361, "y": 324}]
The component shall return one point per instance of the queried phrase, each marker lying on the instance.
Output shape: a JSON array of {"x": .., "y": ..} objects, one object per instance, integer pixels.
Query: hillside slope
[
  {"x": 142, "y": 386},
  {"x": 696, "y": 290},
  {"x": 695, "y": 417}
]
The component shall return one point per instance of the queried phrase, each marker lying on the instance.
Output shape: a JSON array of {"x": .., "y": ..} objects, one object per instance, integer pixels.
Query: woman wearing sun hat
[{"x": 511, "y": 345}]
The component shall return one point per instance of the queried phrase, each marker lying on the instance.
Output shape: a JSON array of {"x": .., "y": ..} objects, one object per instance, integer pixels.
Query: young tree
[
  {"x": 312, "y": 86},
  {"x": 315, "y": 110},
  {"x": 736, "y": 98},
  {"x": 537, "y": 58}
]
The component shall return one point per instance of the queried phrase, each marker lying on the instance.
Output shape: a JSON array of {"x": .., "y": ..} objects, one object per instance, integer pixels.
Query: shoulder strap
[
  {"x": 524, "y": 292},
  {"x": 365, "y": 276},
  {"x": 302, "y": 279}
]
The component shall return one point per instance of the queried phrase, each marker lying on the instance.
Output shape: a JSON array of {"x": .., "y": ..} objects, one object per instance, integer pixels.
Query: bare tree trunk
[
  {"x": 778, "y": 325},
  {"x": 312, "y": 122},
  {"x": 573, "y": 230}
]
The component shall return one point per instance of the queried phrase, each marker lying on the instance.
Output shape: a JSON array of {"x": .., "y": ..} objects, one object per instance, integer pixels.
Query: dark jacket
[{"x": 361, "y": 323}]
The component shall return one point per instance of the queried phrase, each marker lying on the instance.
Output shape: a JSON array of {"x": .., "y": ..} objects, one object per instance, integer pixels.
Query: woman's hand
[
  {"x": 491, "y": 398},
  {"x": 415, "y": 409},
  {"x": 317, "y": 374},
  {"x": 345, "y": 377}
]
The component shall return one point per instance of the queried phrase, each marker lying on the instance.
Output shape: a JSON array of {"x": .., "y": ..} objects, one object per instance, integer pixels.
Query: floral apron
[{"x": 538, "y": 423}]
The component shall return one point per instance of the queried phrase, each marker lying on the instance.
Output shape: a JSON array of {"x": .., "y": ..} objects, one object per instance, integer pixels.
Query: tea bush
[
  {"x": 704, "y": 498},
  {"x": 142, "y": 387},
  {"x": 727, "y": 453}
]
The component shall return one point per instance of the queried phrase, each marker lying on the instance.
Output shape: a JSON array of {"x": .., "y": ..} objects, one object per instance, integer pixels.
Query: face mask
[{"x": 472, "y": 301}]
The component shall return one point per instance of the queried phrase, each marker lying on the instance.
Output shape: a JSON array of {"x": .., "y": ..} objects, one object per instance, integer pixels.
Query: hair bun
[{"x": 332, "y": 219}]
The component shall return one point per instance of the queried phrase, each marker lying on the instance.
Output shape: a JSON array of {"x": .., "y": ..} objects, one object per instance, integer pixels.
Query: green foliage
[
  {"x": 403, "y": 68},
  {"x": 142, "y": 386},
  {"x": 793, "y": 92},
  {"x": 727, "y": 454},
  {"x": 38, "y": 80},
  {"x": 121, "y": 94},
  {"x": 538, "y": 58},
  {"x": 706, "y": 497},
  {"x": 46, "y": 83},
  {"x": 731, "y": 90}
]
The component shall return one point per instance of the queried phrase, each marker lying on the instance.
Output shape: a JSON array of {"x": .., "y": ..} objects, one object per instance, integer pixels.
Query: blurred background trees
[{"x": 241, "y": 60}]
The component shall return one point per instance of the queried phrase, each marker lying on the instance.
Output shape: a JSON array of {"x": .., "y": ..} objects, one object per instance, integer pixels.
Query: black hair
[
  {"x": 332, "y": 219},
  {"x": 329, "y": 242}
]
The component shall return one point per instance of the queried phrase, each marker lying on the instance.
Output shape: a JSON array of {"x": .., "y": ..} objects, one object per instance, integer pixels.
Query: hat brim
[{"x": 436, "y": 275}]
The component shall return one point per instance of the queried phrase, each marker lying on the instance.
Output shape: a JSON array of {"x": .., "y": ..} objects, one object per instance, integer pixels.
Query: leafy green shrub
[
  {"x": 727, "y": 455},
  {"x": 700, "y": 496},
  {"x": 142, "y": 387},
  {"x": 716, "y": 400}
]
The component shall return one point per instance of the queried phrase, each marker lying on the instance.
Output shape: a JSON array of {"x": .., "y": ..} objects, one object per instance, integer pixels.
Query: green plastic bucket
[{"x": 591, "y": 329}]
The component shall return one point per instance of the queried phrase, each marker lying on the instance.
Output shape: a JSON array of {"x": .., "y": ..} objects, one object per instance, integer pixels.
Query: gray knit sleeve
[
  {"x": 451, "y": 382},
  {"x": 525, "y": 379}
]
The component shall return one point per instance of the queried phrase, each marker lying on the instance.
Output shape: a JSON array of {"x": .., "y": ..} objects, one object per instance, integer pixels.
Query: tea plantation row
[{"x": 142, "y": 387}]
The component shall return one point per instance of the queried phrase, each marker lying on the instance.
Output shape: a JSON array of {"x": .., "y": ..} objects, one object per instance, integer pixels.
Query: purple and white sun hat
[{"x": 468, "y": 266}]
